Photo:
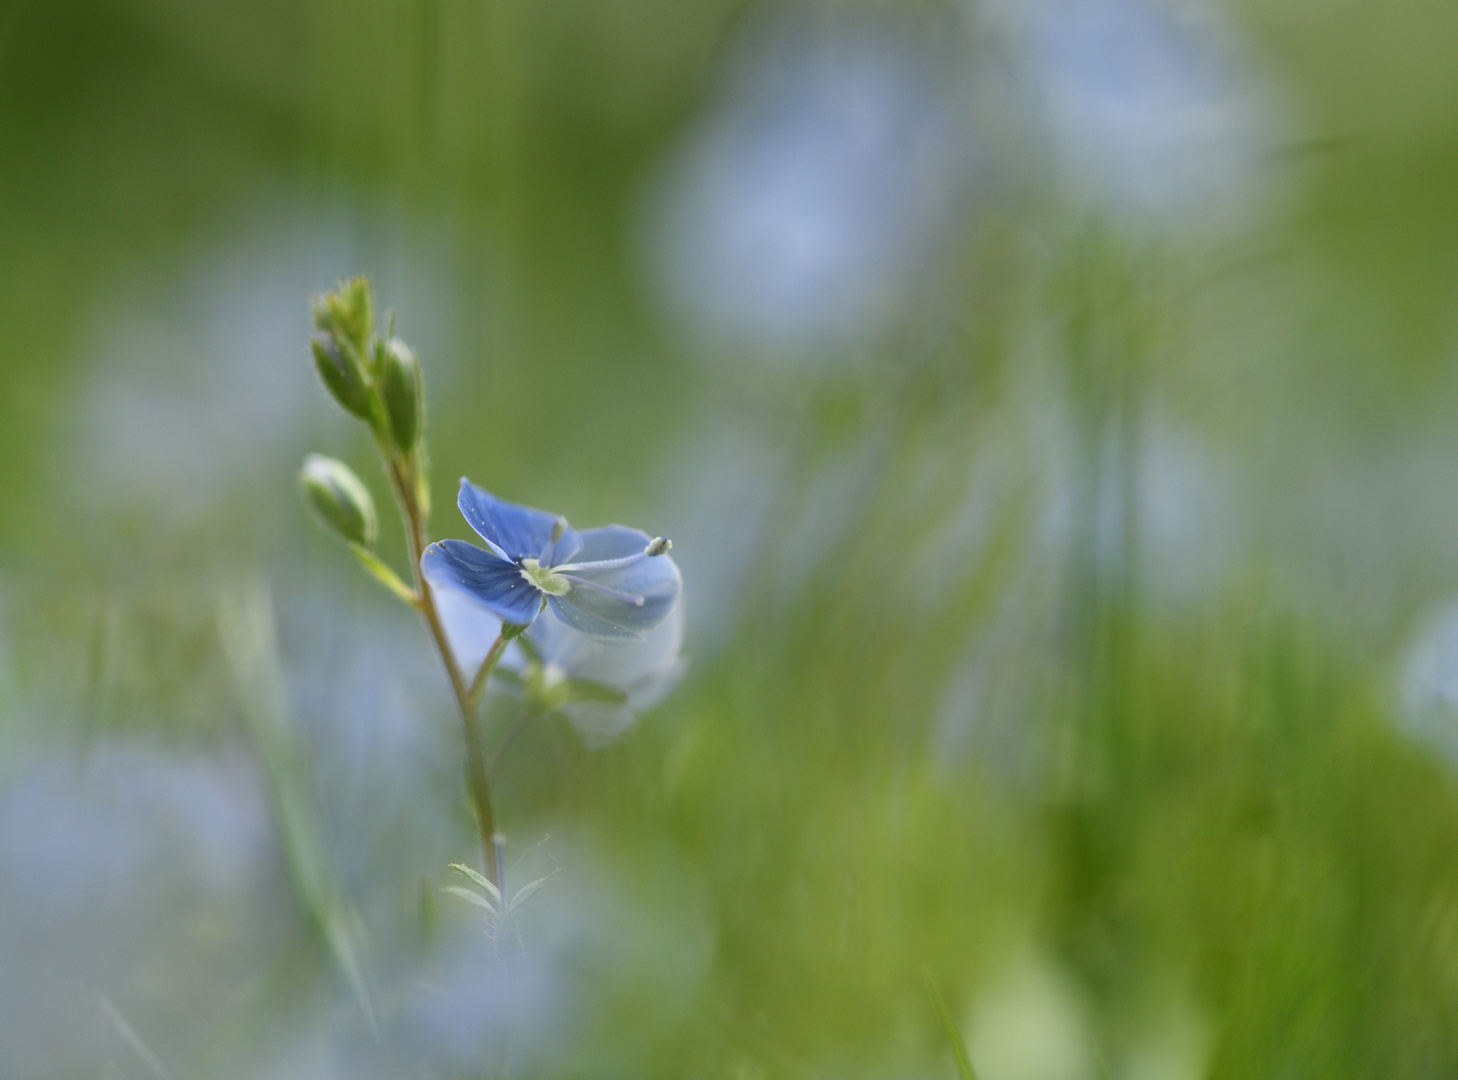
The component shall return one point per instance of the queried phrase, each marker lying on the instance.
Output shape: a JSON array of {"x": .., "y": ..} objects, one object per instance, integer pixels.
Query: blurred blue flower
[
  {"x": 1154, "y": 113},
  {"x": 613, "y": 582},
  {"x": 797, "y": 211},
  {"x": 600, "y": 687}
]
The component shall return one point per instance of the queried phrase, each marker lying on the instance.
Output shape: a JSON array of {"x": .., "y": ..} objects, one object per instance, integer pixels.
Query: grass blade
[
  {"x": 954, "y": 1037},
  {"x": 246, "y": 632}
]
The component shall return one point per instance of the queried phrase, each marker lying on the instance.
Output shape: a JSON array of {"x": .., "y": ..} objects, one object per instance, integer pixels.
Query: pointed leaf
[
  {"x": 491, "y": 890},
  {"x": 527, "y": 891},
  {"x": 471, "y": 897}
]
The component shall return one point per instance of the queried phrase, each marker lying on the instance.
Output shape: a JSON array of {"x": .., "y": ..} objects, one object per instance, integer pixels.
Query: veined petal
[
  {"x": 610, "y": 542},
  {"x": 588, "y": 622},
  {"x": 511, "y": 530},
  {"x": 493, "y": 582},
  {"x": 604, "y": 612}
]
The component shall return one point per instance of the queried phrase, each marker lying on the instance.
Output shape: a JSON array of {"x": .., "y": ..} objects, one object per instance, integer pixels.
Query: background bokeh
[{"x": 1054, "y": 404}]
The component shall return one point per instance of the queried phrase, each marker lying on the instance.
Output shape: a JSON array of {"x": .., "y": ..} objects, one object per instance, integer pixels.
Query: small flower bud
[
  {"x": 348, "y": 312},
  {"x": 659, "y": 545},
  {"x": 339, "y": 498},
  {"x": 342, "y": 373},
  {"x": 400, "y": 386}
]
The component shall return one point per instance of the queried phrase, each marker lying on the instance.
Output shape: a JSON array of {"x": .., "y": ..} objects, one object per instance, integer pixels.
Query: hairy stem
[{"x": 402, "y": 479}]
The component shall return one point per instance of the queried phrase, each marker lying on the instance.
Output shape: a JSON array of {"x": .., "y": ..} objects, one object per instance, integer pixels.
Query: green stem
[
  {"x": 478, "y": 684},
  {"x": 402, "y": 479},
  {"x": 526, "y": 718}
]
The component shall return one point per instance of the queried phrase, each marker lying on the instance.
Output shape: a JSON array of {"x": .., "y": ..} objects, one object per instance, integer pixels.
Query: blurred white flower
[{"x": 794, "y": 214}]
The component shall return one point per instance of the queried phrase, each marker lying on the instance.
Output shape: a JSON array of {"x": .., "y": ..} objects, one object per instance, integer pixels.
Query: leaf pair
[{"x": 489, "y": 899}]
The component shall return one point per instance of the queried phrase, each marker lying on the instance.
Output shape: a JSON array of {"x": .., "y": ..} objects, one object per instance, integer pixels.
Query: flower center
[{"x": 545, "y": 578}]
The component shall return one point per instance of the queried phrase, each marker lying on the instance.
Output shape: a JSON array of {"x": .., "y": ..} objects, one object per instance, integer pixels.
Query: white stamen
[
  {"x": 636, "y": 601},
  {"x": 604, "y": 564}
]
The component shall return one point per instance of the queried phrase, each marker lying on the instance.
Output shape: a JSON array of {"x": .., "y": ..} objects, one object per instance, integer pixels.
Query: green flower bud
[
  {"x": 400, "y": 386},
  {"x": 339, "y": 498},
  {"x": 343, "y": 373},
  {"x": 348, "y": 313}
]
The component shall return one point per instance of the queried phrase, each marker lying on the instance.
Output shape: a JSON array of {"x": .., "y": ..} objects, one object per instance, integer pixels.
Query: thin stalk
[
  {"x": 527, "y": 715},
  {"x": 403, "y": 481},
  {"x": 478, "y": 684}
]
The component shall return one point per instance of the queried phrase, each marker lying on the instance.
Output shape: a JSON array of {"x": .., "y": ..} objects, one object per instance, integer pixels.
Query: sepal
[{"x": 400, "y": 386}]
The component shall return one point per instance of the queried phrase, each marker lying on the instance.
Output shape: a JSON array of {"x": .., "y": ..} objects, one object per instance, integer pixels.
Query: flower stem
[
  {"x": 402, "y": 479},
  {"x": 478, "y": 684},
  {"x": 526, "y": 718}
]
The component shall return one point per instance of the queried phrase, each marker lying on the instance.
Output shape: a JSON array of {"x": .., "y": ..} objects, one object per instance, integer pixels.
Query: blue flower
[{"x": 613, "y": 582}]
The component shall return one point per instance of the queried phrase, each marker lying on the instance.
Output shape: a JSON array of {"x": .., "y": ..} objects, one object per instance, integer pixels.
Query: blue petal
[
  {"x": 494, "y": 583},
  {"x": 653, "y": 578},
  {"x": 590, "y": 623},
  {"x": 610, "y": 542},
  {"x": 512, "y": 531}
]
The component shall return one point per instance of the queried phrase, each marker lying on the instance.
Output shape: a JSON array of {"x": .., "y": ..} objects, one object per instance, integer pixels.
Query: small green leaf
[
  {"x": 527, "y": 891},
  {"x": 491, "y": 890},
  {"x": 471, "y": 897},
  {"x": 954, "y": 1037},
  {"x": 383, "y": 574}
]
